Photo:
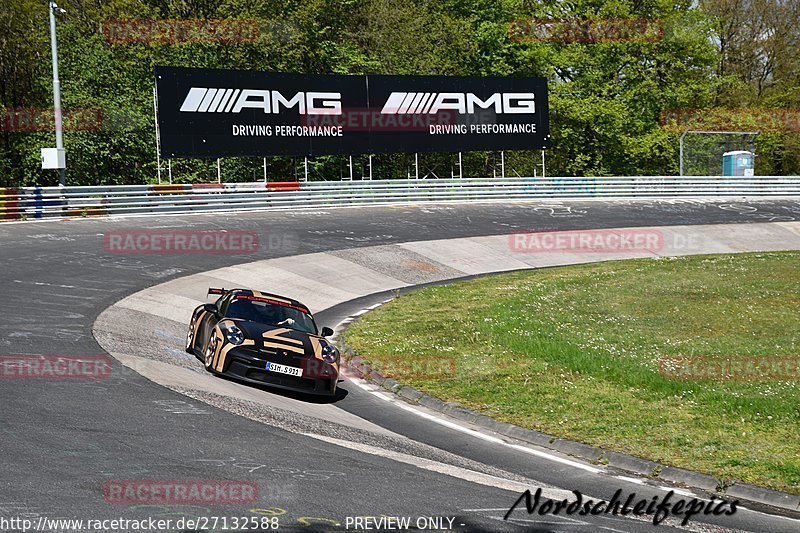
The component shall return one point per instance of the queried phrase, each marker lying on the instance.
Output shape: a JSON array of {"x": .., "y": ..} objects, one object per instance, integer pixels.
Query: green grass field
[{"x": 575, "y": 352}]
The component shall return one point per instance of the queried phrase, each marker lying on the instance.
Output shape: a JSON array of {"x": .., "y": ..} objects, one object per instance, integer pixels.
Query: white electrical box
[{"x": 54, "y": 158}]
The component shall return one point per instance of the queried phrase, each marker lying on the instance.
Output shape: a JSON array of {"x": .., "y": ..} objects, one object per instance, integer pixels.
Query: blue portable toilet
[{"x": 738, "y": 163}]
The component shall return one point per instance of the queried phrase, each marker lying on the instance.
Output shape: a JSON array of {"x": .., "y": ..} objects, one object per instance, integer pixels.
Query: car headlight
[
  {"x": 330, "y": 354},
  {"x": 234, "y": 334}
]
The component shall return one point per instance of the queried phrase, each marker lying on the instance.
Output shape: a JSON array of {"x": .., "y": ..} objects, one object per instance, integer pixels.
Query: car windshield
[{"x": 272, "y": 314}]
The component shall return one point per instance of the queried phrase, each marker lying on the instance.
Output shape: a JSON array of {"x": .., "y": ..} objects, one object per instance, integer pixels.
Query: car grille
[
  {"x": 280, "y": 356},
  {"x": 269, "y": 354}
]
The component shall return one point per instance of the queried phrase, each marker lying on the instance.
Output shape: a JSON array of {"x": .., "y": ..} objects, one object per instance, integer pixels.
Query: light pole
[
  {"x": 680, "y": 163},
  {"x": 57, "y": 90}
]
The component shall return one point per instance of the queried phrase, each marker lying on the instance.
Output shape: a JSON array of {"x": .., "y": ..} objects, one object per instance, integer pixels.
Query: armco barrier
[
  {"x": 40, "y": 202},
  {"x": 9, "y": 204}
]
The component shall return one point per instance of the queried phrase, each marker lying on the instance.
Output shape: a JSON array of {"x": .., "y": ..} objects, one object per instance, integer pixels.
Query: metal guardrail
[{"x": 42, "y": 202}]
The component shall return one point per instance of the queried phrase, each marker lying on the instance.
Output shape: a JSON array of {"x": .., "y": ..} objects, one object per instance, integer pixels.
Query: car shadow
[{"x": 340, "y": 395}]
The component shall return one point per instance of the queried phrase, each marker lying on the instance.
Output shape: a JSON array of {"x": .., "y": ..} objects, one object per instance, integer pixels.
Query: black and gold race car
[{"x": 266, "y": 339}]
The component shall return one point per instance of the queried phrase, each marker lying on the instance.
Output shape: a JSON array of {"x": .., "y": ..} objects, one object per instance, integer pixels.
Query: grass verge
[{"x": 578, "y": 352}]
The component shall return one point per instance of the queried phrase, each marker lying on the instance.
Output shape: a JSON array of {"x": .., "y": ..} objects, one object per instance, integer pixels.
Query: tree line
[{"x": 610, "y": 89}]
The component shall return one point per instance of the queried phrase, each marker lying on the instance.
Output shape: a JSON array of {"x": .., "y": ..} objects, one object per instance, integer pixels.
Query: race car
[{"x": 264, "y": 338}]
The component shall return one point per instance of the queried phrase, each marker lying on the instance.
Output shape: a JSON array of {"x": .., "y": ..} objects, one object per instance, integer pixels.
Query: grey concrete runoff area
[{"x": 317, "y": 463}]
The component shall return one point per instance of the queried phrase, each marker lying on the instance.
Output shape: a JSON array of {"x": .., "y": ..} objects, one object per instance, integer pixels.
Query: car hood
[{"x": 282, "y": 340}]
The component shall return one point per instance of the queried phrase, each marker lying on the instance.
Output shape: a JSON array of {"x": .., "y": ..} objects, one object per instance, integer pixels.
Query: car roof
[{"x": 290, "y": 302}]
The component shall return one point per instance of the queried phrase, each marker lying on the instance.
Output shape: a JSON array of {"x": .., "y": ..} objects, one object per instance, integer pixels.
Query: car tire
[
  {"x": 208, "y": 356},
  {"x": 190, "y": 337}
]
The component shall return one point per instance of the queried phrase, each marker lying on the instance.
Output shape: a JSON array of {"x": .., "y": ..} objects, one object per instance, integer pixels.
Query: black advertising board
[
  {"x": 221, "y": 113},
  {"x": 218, "y": 113}
]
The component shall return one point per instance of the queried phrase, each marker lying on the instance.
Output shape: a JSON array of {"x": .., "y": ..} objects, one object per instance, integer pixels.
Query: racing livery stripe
[
  {"x": 220, "y": 342},
  {"x": 289, "y": 339},
  {"x": 270, "y": 300},
  {"x": 218, "y": 357},
  {"x": 281, "y": 342},
  {"x": 197, "y": 324},
  {"x": 277, "y": 335},
  {"x": 223, "y": 354},
  {"x": 278, "y": 298},
  {"x": 288, "y": 347},
  {"x": 317, "y": 347},
  {"x": 275, "y": 332}
]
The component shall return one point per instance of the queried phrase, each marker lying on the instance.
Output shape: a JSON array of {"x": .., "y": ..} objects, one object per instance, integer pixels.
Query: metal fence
[{"x": 41, "y": 202}]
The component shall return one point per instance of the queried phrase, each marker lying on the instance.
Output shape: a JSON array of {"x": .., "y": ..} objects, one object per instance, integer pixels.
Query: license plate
[{"x": 285, "y": 369}]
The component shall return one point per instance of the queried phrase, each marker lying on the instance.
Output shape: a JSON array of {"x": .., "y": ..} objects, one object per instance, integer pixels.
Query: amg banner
[{"x": 219, "y": 113}]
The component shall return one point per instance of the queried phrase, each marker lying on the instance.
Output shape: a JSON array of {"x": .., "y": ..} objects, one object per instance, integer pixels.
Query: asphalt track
[{"x": 63, "y": 439}]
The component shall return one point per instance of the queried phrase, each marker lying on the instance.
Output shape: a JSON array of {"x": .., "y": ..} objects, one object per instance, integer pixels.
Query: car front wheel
[{"x": 210, "y": 351}]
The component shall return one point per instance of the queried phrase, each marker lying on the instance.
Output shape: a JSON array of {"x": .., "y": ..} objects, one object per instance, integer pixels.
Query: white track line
[
  {"x": 676, "y": 491},
  {"x": 631, "y": 479},
  {"x": 442, "y": 468},
  {"x": 457, "y": 427}
]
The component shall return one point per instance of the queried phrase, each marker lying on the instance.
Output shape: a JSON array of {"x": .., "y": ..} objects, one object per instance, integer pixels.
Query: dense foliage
[{"x": 606, "y": 97}]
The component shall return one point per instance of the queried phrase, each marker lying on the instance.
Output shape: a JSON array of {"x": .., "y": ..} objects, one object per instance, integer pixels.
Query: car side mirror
[
  {"x": 211, "y": 308},
  {"x": 326, "y": 332}
]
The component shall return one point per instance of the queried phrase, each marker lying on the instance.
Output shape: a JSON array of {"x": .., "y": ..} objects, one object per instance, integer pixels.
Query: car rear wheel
[{"x": 190, "y": 336}]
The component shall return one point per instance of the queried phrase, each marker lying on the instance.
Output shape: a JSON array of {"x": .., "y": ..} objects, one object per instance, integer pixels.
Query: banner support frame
[{"x": 158, "y": 137}]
